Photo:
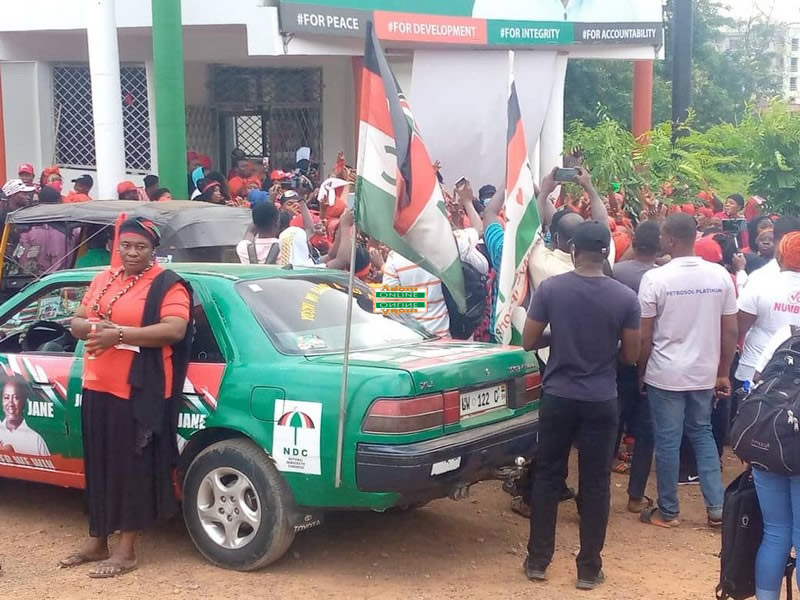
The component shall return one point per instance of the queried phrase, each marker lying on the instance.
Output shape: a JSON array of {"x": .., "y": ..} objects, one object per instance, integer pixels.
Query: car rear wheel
[{"x": 236, "y": 506}]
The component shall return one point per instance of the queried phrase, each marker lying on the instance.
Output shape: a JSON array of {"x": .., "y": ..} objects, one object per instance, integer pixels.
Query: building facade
[
  {"x": 251, "y": 81},
  {"x": 791, "y": 66}
]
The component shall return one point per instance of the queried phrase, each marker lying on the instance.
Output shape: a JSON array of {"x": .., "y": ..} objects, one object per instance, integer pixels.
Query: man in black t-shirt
[{"x": 589, "y": 314}]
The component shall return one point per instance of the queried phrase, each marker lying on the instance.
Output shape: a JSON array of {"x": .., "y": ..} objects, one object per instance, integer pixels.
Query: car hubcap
[{"x": 228, "y": 507}]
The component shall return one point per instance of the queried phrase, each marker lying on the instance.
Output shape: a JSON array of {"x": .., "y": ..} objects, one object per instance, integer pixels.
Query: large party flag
[
  {"x": 399, "y": 201},
  {"x": 522, "y": 226}
]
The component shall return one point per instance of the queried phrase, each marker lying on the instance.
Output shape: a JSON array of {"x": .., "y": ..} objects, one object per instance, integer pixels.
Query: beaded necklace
[{"x": 118, "y": 295}]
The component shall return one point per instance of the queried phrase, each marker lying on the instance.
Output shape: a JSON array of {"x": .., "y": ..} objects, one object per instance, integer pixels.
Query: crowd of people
[
  {"x": 652, "y": 350},
  {"x": 648, "y": 328},
  {"x": 648, "y": 324}
]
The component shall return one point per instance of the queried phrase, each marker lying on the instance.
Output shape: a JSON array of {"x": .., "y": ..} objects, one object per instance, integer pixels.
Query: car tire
[{"x": 236, "y": 506}]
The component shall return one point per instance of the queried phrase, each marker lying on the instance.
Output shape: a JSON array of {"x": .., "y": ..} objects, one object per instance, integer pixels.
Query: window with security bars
[
  {"x": 272, "y": 112},
  {"x": 74, "y": 125}
]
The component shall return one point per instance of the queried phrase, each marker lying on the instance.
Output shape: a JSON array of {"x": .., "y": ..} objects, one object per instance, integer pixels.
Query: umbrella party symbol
[{"x": 296, "y": 420}]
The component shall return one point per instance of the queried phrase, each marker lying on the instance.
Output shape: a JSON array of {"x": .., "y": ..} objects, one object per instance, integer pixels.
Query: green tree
[
  {"x": 759, "y": 155},
  {"x": 724, "y": 82}
]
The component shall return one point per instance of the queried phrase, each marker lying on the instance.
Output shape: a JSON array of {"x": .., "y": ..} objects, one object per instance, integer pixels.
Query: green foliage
[
  {"x": 760, "y": 155},
  {"x": 723, "y": 82},
  {"x": 773, "y": 153}
]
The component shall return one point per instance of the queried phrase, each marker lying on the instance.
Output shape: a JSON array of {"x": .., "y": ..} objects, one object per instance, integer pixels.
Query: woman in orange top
[{"x": 135, "y": 320}]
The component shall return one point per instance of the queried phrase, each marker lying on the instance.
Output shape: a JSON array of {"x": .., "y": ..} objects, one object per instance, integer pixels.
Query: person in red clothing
[
  {"x": 80, "y": 193},
  {"x": 52, "y": 176},
  {"x": 128, "y": 438},
  {"x": 127, "y": 190},
  {"x": 238, "y": 184},
  {"x": 26, "y": 173},
  {"x": 734, "y": 205}
]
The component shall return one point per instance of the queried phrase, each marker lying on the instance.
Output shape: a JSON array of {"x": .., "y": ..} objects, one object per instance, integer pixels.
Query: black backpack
[
  {"x": 766, "y": 431},
  {"x": 742, "y": 530},
  {"x": 463, "y": 325},
  {"x": 272, "y": 256}
]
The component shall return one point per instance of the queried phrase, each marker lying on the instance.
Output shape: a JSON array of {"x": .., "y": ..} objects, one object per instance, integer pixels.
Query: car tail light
[
  {"x": 452, "y": 407},
  {"x": 405, "y": 415},
  {"x": 527, "y": 389}
]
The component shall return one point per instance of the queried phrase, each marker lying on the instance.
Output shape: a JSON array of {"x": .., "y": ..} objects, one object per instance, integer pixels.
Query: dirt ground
[{"x": 465, "y": 550}]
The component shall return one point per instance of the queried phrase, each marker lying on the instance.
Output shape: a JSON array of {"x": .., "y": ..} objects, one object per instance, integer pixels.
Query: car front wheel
[{"x": 236, "y": 506}]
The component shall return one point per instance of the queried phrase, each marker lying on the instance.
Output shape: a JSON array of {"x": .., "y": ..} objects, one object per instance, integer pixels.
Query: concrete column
[
  {"x": 109, "y": 142},
  {"x": 536, "y": 160},
  {"x": 551, "y": 144},
  {"x": 170, "y": 95},
  {"x": 151, "y": 112},
  {"x": 642, "y": 118}
]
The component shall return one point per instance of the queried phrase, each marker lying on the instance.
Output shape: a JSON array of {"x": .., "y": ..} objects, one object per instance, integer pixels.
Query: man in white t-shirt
[
  {"x": 15, "y": 435},
  {"x": 398, "y": 270},
  {"x": 689, "y": 337}
]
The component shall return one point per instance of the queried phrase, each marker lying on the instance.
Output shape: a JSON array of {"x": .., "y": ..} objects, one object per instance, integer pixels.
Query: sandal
[
  {"x": 518, "y": 506},
  {"x": 653, "y": 516},
  {"x": 621, "y": 468},
  {"x": 637, "y": 506},
  {"x": 111, "y": 568},
  {"x": 77, "y": 559}
]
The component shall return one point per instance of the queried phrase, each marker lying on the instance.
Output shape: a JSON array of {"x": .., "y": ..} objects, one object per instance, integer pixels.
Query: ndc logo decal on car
[{"x": 296, "y": 437}]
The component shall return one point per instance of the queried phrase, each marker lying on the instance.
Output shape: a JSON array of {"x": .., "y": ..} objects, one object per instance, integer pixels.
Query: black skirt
[{"x": 127, "y": 488}]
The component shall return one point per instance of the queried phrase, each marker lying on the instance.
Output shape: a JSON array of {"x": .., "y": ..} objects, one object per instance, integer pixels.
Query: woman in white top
[
  {"x": 778, "y": 495},
  {"x": 766, "y": 308}
]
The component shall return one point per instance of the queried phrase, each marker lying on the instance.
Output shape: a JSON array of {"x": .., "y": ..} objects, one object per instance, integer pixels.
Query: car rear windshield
[{"x": 306, "y": 315}]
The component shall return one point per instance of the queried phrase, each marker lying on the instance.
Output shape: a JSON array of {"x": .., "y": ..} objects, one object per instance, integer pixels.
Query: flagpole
[{"x": 346, "y": 361}]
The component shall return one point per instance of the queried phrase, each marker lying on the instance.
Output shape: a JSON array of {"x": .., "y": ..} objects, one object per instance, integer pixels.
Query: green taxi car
[{"x": 425, "y": 418}]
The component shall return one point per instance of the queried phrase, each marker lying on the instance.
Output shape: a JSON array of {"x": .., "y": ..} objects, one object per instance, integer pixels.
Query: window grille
[
  {"x": 74, "y": 125},
  {"x": 201, "y": 131},
  {"x": 275, "y": 111}
]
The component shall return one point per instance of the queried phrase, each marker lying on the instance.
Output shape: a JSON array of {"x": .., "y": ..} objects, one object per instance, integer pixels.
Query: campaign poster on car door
[
  {"x": 33, "y": 429},
  {"x": 200, "y": 392},
  {"x": 482, "y": 22}
]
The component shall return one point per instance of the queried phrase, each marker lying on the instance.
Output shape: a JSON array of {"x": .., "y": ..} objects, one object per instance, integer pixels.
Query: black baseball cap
[
  {"x": 150, "y": 180},
  {"x": 84, "y": 180},
  {"x": 592, "y": 236}
]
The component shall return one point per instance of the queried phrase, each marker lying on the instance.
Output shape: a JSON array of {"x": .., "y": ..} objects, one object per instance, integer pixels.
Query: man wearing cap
[
  {"x": 80, "y": 192},
  {"x": 545, "y": 262},
  {"x": 18, "y": 195},
  {"x": 126, "y": 190},
  {"x": 26, "y": 173},
  {"x": 589, "y": 314}
]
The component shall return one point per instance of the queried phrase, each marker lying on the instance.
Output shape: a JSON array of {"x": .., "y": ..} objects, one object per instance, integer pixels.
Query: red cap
[
  {"x": 191, "y": 155},
  {"x": 708, "y": 249},
  {"x": 204, "y": 161},
  {"x": 125, "y": 186},
  {"x": 278, "y": 174},
  {"x": 26, "y": 168},
  {"x": 688, "y": 208}
]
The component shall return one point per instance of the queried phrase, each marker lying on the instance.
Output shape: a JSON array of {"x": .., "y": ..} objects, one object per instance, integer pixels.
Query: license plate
[{"x": 476, "y": 402}]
